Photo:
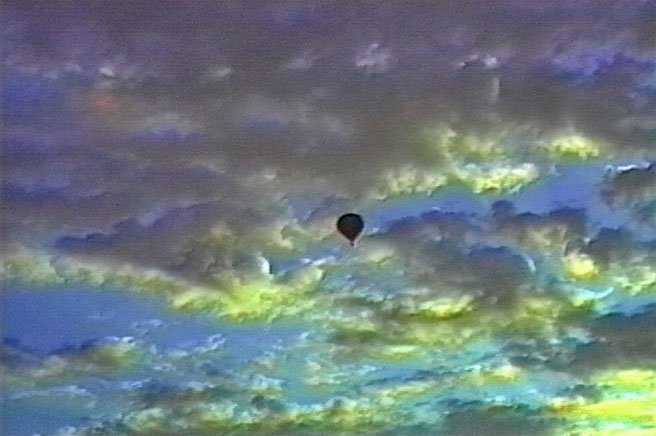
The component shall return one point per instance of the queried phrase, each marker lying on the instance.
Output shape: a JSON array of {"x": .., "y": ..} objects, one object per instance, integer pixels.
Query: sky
[{"x": 171, "y": 177}]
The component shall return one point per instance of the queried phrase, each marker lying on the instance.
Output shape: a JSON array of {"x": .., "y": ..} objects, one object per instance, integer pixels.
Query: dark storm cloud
[
  {"x": 645, "y": 214},
  {"x": 140, "y": 238},
  {"x": 173, "y": 241},
  {"x": 495, "y": 273},
  {"x": 447, "y": 252},
  {"x": 626, "y": 186},
  {"x": 133, "y": 108},
  {"x": 497, "y": 421},
  {"x": 562, "y": 225},
  {"x": 619, "y": 342},
  {"x": 614, "y": 341},
  {"x": 611, "y": 245},
  {"x": 617, "y": 247},
  {"x": 76, "y": 194},
  {"x": 437, "y": 224},
  {"x": 631, "y": 187}
]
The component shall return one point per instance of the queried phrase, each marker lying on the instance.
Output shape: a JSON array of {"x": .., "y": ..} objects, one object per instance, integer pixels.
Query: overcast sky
[
  {"x": 122, "y": 117},
  {"x": 498, "y": 151}
]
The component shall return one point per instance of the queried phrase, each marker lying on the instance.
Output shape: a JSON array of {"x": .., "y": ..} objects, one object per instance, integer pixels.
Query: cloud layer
[
  {"x": 234, "y": 105},
  {"x": 200, "y": 153}
]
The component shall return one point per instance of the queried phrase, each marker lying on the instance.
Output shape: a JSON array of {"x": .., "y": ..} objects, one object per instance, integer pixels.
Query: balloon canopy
[{"x": 350, "y": 225}]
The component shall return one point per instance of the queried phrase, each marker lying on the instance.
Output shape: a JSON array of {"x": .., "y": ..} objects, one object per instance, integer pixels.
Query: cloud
[
  {"x": 186, "y": 115},
  {"x": 201, "y": 152},
  {"x": 179, "y": 139},
  {"x": 100, "y": 357},
  {"x": 154, "y": 241},
  {"x": 436, "y": 224},
  {"x": 448, "y": 253},
  {"x": 611, "y": 246},
  {"x": 553, "y": 230},
  {"x": 14, "y": 356},
  {"x": 618, "y": 341},
  {"x": 625, "y": 186},
  {"x": 496, "y": 421}
]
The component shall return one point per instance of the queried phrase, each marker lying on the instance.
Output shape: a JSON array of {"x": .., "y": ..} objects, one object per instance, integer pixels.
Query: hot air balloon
[{"x": 350, "y": 225}]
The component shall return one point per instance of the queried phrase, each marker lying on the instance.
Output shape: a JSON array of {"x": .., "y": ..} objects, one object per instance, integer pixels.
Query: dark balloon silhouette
[{"x": 350, "y": 225}]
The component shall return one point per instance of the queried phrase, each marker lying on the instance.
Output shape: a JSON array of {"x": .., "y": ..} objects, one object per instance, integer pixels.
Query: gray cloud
[
  {"x": 620, "y": 341},
  {"x": 132, "y": 110},
  {"x": 565, "y": 225},
  {"x": 611, "y": 245},
  {"x": 450, "y": 253},
  {"x": 626, "y": 186},
  {"x": 497, "y": 421}
]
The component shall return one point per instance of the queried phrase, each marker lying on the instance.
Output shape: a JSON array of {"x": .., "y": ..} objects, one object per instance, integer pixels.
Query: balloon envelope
[{"x": 350, "y": 225}]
